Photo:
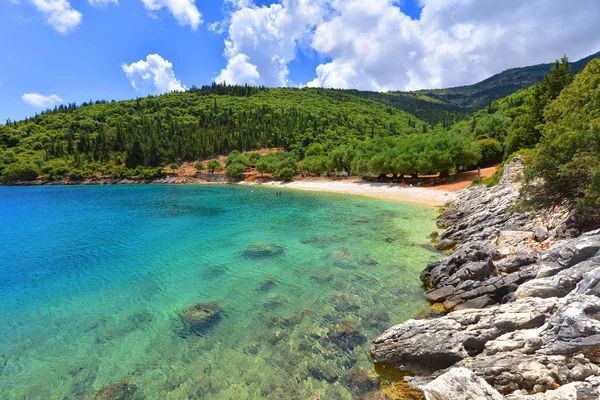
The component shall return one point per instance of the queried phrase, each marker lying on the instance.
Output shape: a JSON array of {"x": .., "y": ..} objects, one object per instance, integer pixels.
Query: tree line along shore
[{"x": 553, "y": 124}]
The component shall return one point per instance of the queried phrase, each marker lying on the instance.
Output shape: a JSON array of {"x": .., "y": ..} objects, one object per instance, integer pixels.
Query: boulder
[
  {"x": 117, "y": 391},
  {"x": 200, "y": 316},
  {"x": 263, "y": 249},
  {"x": 460, "y": 384}
]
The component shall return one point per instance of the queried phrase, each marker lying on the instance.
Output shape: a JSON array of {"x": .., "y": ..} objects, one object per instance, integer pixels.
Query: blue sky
[{"x": 374, "y": 45}]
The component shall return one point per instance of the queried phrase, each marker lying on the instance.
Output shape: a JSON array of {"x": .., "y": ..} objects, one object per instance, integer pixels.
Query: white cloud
[
  {"x": 374, "y": 45},
  {"x": 41, "y": 101},
  {"x": 153, "y": 75},
  {"x": 102, "y": 3},
  {"x": 59, "y": 13},
  {"x": 263, "y": 40},
  {"x": 184, "y": 11}
]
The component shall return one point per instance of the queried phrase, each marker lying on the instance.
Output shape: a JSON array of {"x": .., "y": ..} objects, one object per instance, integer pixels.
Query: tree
[
  {"x": 26, "y": 171},
  {"x": 173, "y": 167},
  {"x": 214, "y": 165},
  {"x": 314, "y": 149},
  {"x": 287, "y": 174},
  {"x": 491, "y": 151},
  {"x": 234, "y": 171},
  {"x": 199, "y": 165},
  {"x": 564, "y": 168},
  {"x": 340, "y": 159},
  {"x": 314, "y": 165},
  {"x": 235, "y": 157}
]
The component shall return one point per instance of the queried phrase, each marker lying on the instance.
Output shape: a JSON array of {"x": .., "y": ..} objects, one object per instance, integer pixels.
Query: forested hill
[
  {"x": 195, "y": 124},
  {"x": 476, "y": 97}
]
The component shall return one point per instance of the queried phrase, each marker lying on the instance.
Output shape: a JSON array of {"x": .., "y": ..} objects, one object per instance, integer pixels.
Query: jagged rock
[
  {"x": 200, "y": 316},
  {"x": 263, "y": 249},
  {"x": 589, "y": 283},
  {"x": 560, "y": 284},
  {"x": 541, "y": 233},
  {"x": 458, "y": 335},
  {"x": 442, "y": 272},
  {"x": 117, "y": 391},
  {"x": 460, "y": 384},
  {"x": 567, "y": 253},
  {"x": 590, "y": 389},
  {"x": 527, "y": 305}
]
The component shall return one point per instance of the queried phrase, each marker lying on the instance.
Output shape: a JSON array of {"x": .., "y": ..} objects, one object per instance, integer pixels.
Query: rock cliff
[{"x": 523, "y": 294}]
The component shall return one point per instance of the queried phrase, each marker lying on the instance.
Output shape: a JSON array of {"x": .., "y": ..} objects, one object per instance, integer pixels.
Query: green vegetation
[
  {"x": 133, "y": 138},
  {"x": 321, "y": 131},
  {"x": 214, "y": 165},
  {"x": 567, "y": 158},
  {"x": 478, "y": 96}
]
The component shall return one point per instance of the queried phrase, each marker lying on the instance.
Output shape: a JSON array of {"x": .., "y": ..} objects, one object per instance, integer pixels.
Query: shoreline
[
  {"x": 386, "y": 191},
  {"x": 415, "y": 195}
]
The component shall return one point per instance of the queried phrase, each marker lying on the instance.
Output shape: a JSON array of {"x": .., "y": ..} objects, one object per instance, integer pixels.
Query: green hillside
[
  {"x": 477, "y": 96},
  {"x": 198, "y": 123}
]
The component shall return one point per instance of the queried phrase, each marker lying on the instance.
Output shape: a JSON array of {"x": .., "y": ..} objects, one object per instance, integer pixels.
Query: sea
[{"x": 94, "y": 281}]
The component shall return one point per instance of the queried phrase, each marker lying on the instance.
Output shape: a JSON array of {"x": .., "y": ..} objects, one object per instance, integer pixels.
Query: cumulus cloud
[
  {"x": 263, "y": 40},
  {"x": 41, "y": 101},
  {"x": 184, "y": 11},
  {"x": 102, "y": 3},
  {"x": 374, "y": 45},
  {"x": 153, "y": 75},
  {"x": 59, "y": 13}
]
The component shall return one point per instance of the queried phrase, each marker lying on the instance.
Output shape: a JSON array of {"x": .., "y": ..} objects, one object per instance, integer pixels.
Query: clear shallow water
[{"x": 92, "y": 280}]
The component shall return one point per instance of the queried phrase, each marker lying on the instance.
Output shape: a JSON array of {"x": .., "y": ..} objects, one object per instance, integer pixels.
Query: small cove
[{"x": 92, "y": 280}]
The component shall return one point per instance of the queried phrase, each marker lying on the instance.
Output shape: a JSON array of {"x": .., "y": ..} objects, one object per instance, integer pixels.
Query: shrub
[
  {"x": 287, "y": 174},
  {"x": 234, "y": 171},
  {"x": 27, "y": 171},
  {"x": 214, "y": 165}
]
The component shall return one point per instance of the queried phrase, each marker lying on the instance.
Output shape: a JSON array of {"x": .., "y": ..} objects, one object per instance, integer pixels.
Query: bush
[
  {"x": 235, "y": 157},
  {"x": 199, "y": 165},
  {"x": 287, "y": 174},
  {"x": 27, "y": 171},
  {"x": 491, "y": 151},
  {"x": 214, "y": 165},
  {"x": 234, "y": 171}
]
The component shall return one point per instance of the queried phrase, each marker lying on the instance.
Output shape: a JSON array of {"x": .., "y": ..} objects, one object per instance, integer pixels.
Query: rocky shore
[{"x": 520, "y": 302}]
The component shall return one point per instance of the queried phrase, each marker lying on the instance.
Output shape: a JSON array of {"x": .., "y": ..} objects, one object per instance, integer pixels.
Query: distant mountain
[{"x": 477, "y": 96}]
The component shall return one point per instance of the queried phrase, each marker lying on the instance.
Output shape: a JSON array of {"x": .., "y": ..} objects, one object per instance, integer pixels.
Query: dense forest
[{"x": 199, "y": 123}]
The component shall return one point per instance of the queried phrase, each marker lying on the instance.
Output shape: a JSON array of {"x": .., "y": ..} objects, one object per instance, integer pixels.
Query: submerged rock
[
  {"x": 263, "y": 249},
  {"x": 117, "y": 391},
  {"x": 369, "y": 261},
  {"x": 322, "y": 275},
  {"x": 266, "y": 285},
  {"x": 360, "y": 382},
  {"x": 213, "y": 271},
  {"x": 345, "y": 302},
  {"x": 200, "y": 316},
  {"x": 345, "y": 335}
]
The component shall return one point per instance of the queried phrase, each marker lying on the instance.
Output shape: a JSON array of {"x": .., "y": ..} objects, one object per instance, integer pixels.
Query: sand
[{"x": 418, "y": 195}]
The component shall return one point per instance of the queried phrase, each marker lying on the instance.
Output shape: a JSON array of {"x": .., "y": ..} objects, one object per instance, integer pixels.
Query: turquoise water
[{"x": 92, "y": 280}]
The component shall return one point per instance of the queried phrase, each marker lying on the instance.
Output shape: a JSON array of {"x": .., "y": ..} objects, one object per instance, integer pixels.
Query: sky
[{"x": 64, "y": 51}]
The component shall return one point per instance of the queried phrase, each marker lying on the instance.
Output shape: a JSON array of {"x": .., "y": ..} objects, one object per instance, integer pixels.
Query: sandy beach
[{"x": 419, "y": 195}]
